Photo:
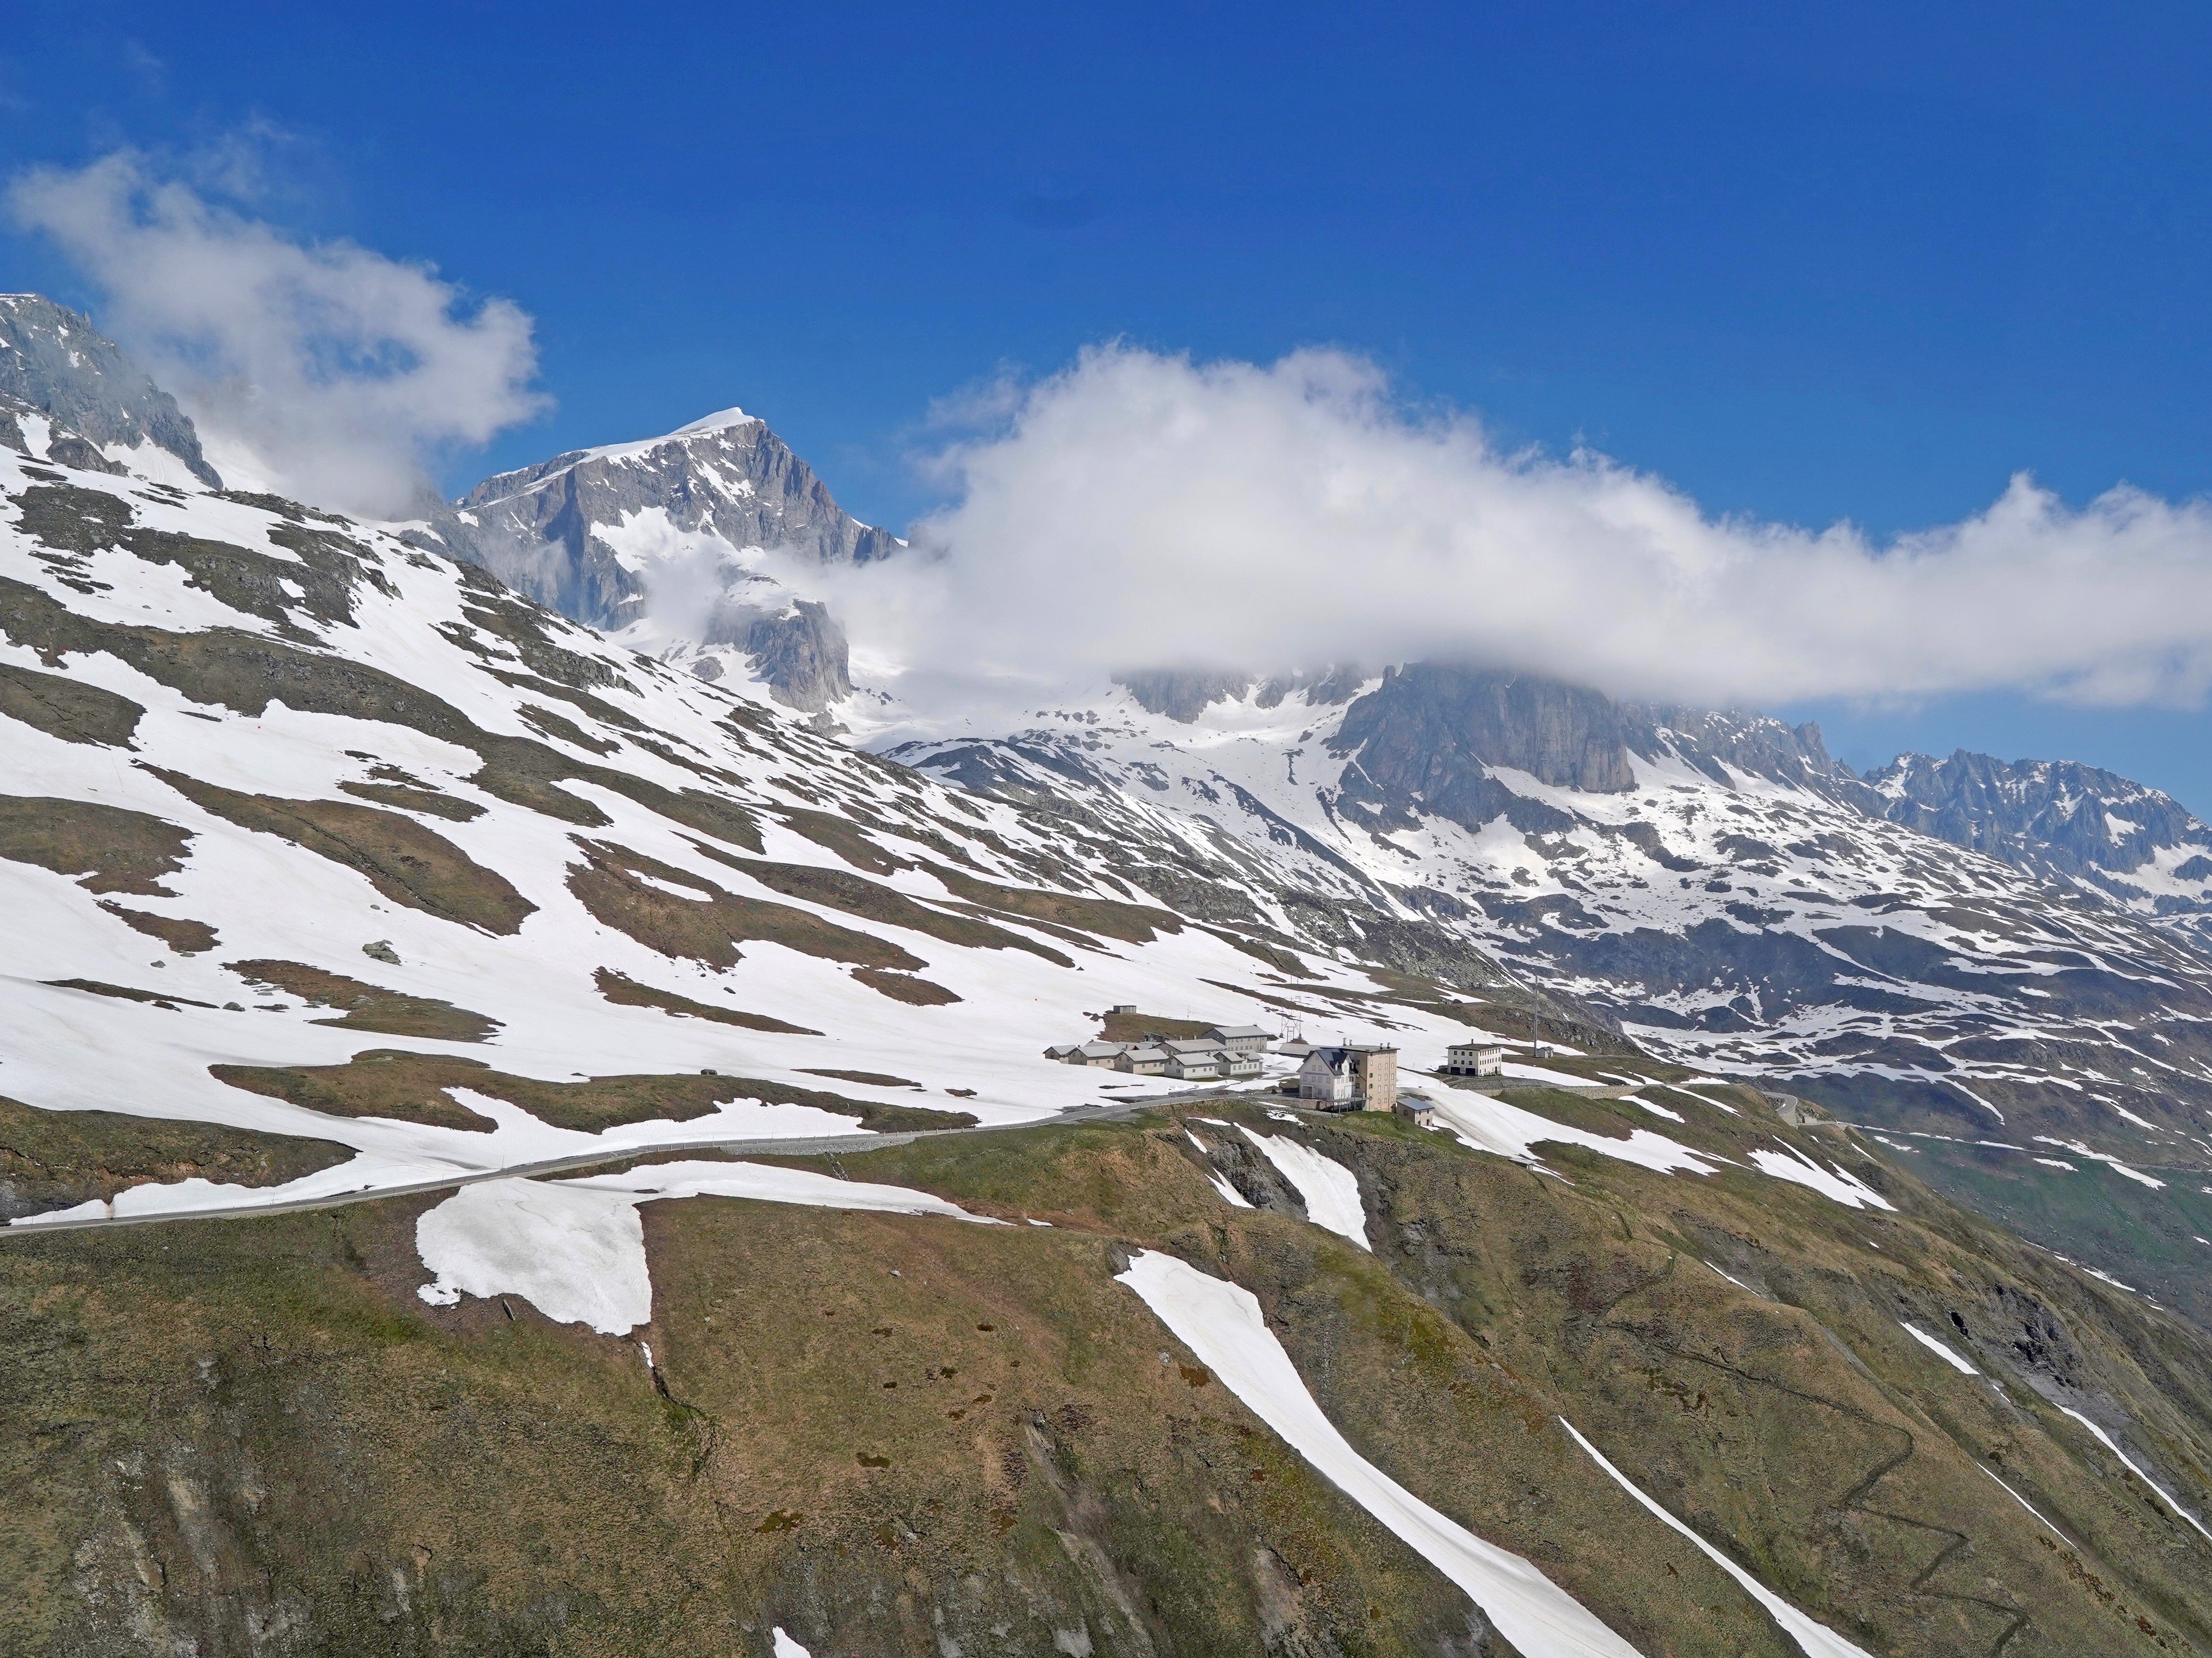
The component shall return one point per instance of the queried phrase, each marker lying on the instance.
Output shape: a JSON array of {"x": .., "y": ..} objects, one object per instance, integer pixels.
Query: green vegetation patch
[
  {"x": 126, "y": 993},
  {"x": 368, "y": 1006},
  {"x": 185, "y": 936},
  {"x": 405, "y": 861},
  {"x": 838, "y": 889},
  {"x": 905, "y": 988},
  {"x": 560, "y": 729},
  {"x": 57, "y": 1159},
  {"x": 873, "y": 1078},
  {"x": 410, "y": 798},
  {"x": 109, "y": 848},
  {"x": 67, "y": 708},
  {"x": 629, "y": 891},
  {"x": 1136, "y": 924},
  {"x": 621, "y": 988},
  {"x": 416, "y": 1088},
  {"x": 1135, "y": 1027},
  {"x": 842, "y": 836}
]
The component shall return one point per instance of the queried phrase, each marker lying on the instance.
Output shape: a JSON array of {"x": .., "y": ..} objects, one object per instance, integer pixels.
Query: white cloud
[
  {"x": 330, "y": 371},
  {"x": 1143, "y": 510}
]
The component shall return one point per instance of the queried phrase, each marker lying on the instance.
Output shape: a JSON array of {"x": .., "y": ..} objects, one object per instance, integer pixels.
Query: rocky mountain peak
[
  {"x": 582, "y": 532},
  {"x": 610, "y": 537},
  {"x": 54, "y": 364}
]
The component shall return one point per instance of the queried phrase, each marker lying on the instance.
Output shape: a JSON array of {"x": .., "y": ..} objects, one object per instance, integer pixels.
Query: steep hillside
[{"x": 1874, "y": 1428}]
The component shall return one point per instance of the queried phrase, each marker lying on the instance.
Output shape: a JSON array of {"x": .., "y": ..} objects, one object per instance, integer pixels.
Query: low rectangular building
[
  {"x": 1239, "y": 1038},
  {"x": 1474, "y": 1059},
  {"x": 1145, "y": 1061}
]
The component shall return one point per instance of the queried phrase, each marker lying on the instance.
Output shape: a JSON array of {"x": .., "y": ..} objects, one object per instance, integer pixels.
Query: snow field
[
  {"x": 1330, "y": 1190},
  {"x": 1941, "y": 1349}
]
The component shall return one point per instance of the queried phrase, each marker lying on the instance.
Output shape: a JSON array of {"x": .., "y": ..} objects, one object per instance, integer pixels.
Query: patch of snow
[
  {"x": 1330, "y": 1190},
  {"x": 2105, "y": 1440},
  {"x": 1508, "y": 1131},
  {"x": 576, "y": 1249},
  {"x": 1791, "y": 1164},
  {"x": 1222, "y": 1325},
  {"x": 1814, "y": 1640},
  {"x": 1941, "y": 1349},
  {"x": 785, "y": 1647}
]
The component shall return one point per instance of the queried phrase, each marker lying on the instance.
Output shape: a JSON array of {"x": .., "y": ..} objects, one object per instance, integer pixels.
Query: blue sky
[{"x": 1809, "y": 263}]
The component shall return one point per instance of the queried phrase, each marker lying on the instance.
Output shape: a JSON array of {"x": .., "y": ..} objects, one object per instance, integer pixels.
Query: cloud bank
[
  {"x": 331, "y": 372},
  {"x": 1140, "y": 510}
]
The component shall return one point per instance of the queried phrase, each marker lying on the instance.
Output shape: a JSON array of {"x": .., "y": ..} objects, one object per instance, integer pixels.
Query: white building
[
  {"x": 1238, "y": 1038},
  {"x": 1365, "y": 1075},
  {"x": 1142, "y": 1060},
  {"x": 1474, "y": 1059}
]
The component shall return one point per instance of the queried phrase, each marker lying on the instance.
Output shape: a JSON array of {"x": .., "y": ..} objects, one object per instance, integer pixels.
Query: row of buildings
[
  {"x": 1352, "y": 1076},
  {"x": 1225, "y": 1054}
]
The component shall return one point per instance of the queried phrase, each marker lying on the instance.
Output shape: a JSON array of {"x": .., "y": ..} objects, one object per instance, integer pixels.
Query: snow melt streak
[
  {"x": 1221, "y": 1324},
  {"x": 1813, "y": 1640}
]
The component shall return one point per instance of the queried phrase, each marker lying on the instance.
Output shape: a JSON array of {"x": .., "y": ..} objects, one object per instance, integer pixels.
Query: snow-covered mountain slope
[
  {"x": 666, "y": 538},
  {"x": 2070, "y": 823},
  {"x": 282, "y": 789},
  {"x": 1707, "y": 879}
]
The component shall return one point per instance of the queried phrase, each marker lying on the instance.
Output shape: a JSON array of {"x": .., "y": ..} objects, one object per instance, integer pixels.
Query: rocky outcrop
[
  {"x": 54, "y": 363},
  {"x": 1184, "y": 693},
  {"x": 800, "y": 653},
  {"x": 2049, "y": 817},
  {"x": 1427, "y": 737}
]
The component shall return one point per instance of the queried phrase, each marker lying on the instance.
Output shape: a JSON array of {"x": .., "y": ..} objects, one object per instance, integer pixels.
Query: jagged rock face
[
  {"x": 1429, "y": 735},
  {"x": 801, "y": 652},
  {"x": 2060, "y": 820},
  {"x": 58, "y": 365},
  {"x": 1184, "y": 693},
  {"x": 573, "y": 533},
  {"x": 2055, "y": 814}
]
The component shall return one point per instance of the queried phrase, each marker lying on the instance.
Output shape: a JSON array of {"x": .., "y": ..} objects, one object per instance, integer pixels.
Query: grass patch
[
  {"x": 125, "y": 994},
  {"x": 629, "y": 892},
  {"x": 108, "y": 848},
  {"x": 1136, "y": 924},
  {"x": 1136, "y": 1027},
  {"x": 368, "y": 1006},
  {"x": 402, "y": 859},
  {"x": 625, "y": 991},
  {"x": 187, "y": 938},
  {"x": 408, "y": 797},
  {"x": 874, "y": 1078},
  {"x": 417, "y": 1088},
  {"x": 905, "y": 988},
  {"x": 67, "y": 708},
  {"x": 838, "y": 889},
  {"x": 57, "y": 1159}
]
